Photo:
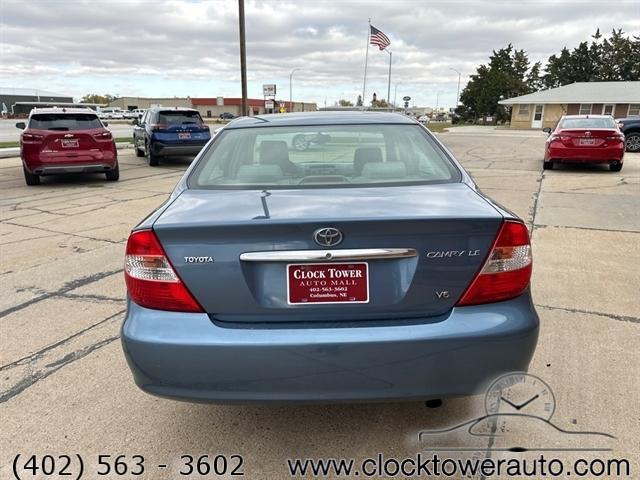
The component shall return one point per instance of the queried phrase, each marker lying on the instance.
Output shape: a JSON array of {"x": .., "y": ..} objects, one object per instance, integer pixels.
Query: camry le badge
[{"x": 327, "y": 237}]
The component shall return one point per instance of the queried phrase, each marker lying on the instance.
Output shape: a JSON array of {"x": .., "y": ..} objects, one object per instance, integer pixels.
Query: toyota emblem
[{"x": 327, "y": 237}]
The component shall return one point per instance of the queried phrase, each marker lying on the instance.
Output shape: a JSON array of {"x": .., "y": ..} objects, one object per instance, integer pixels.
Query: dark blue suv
[{"x": 163, "y": 132}]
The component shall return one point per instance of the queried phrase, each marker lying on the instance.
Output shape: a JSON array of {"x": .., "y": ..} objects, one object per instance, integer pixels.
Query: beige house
[{"x": 543, "y": 109}]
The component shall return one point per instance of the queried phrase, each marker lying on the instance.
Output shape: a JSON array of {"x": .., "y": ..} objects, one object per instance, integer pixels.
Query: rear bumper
[
  {"x": 187, "y": 356},
  {"x": 64, "y": 168},
  {"x": 168, "y": 149},
  {"x": 91, "y": 162},
  {"x": 585, "y": 155}
]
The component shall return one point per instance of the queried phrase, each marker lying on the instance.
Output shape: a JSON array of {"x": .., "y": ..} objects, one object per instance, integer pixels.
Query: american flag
[{"x": 378, "y": 38}]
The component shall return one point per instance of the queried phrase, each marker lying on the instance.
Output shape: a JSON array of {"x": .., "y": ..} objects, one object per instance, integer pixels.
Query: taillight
[
  {"x": 157, "y": 127},
  {"x": 507, "y": 270},
  {"x": 151, "y": 279},
  {"x": 32, "y": 137},
  {"x": 620, "y": 138},
  {"x": 560, "y": 138},
  {"x": 103, "y": 136}
]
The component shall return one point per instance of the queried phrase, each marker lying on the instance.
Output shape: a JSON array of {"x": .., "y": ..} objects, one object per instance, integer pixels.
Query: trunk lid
[
  {"x": 450, "y": 227},
  {"x": 586, "y": 137},
  {"x": 63, "y": 144}
]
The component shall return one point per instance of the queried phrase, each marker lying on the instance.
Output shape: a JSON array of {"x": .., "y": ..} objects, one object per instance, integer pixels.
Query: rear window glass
[
  {"x": 313, "y": 156},
  {"x": 178, "y": 117},
  {"x": 65, "y": 121},
  {"x": 602, "y": 122}
]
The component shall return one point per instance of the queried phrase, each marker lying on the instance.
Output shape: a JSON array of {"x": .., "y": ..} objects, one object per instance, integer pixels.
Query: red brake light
[
  {"x": 151, "y": 279},
  {"x": 103, "y": 136},
  {"x": 156, "y": 127},
  {"x": 507, "y": 270},
  {"x": 32, "y": 137}
]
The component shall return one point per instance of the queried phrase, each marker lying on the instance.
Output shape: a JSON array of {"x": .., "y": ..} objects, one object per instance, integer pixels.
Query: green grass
[
  {"x": 438, "y": 127},
  {"x": 12, "y": 144}
]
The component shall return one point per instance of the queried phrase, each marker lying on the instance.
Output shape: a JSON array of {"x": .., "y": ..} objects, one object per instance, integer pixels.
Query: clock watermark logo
[{"x": 518, "y": 413}]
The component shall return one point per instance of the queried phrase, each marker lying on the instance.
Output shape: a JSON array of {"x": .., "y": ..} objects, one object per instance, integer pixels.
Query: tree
[
  {"x": 345, "y": 103},
  {"x": 381, "y": 103},
  {"x": 605, "y": 59},
  {"x": 95, "y": 98},
  {"x": 359, "y": 101},
  {"x": 534, "y": 78},
  {"x": 506, "y": 75}
]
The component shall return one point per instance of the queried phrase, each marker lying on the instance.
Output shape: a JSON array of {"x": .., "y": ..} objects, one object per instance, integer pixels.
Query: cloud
[{"x": 179, "y": 48}]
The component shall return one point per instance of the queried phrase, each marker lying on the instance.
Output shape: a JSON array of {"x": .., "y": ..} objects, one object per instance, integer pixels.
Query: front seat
[
  {"x": 276, "y": 152},
  {"x": 365, "y": 155}
]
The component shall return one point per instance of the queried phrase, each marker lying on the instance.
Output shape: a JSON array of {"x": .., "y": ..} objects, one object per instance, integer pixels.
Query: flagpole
[{"x": 366, "y": 58}]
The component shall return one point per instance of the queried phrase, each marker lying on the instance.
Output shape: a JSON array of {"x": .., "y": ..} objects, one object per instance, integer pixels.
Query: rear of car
[
  {"x": 176, "y": 131},
  {"x": 60, "y": 141},
  {"x": 367, "y": 267},
  {"x": 585, "y": 139}
]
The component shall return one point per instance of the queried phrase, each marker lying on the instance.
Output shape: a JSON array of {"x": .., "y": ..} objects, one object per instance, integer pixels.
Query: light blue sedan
[{"x": 366, "y": 267}]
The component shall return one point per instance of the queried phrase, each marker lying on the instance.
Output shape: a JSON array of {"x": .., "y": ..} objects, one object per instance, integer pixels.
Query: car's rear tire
[
  {"x": 31, "y": 178},
  {"x": 615, "y": 166},
  {"x": 547, "y": 165},
  {"x": 632, "y": 142},
  {"x": 153, "y": 160},
  {"x": 114, "y": 174}
]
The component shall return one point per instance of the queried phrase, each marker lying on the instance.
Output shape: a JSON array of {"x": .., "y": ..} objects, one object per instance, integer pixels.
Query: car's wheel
[
  {"x": 153, "y": 160},
  {"x": 547, "y": 165},
  {"x": 30, "y": 178},
  {"x": 632, "y": 142},
  {"x": 139, "y": 151},
  {"x": 300, "y": 142},
  {"x": 113, "y": 174},
  {"x": 615, "y": 166}
]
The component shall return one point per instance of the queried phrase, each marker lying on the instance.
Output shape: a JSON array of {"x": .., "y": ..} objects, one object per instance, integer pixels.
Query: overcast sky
[{"x": 190, "y": 48}]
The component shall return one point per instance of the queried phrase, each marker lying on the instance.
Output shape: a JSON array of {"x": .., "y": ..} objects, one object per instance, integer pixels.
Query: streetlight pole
[
  {"x": 389, "y": 83},
  {"x": 243, "y": 57},
  {"x": 395, "y": 94},
  {"x": 291, "y": 88},
  {"x": 457, "y": 94}
]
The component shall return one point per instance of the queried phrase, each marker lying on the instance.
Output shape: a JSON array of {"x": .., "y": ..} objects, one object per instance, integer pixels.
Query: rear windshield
[
  {"x": 178, "y": 117},
  {"x": 603, "y": 122},
  {"x": 313, "y": 156},
  {"x": 65, "y": 121}
]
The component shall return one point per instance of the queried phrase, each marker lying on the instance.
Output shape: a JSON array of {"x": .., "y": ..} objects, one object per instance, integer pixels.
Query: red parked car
[
  {"x": 585, "y": 139},
  {"x": 66, "y": 140}
]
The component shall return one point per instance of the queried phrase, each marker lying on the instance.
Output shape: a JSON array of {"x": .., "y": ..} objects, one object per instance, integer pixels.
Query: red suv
[{"x": 66, "y": 140}]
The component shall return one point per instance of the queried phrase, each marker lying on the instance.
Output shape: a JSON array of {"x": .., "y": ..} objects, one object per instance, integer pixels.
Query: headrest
[
  {"x": 273, "y": 152},
  {"x": 364, "y": 155}
]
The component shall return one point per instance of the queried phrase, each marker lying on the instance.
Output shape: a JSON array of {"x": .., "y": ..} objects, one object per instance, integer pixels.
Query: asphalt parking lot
[{"x": 65, "y": 386}]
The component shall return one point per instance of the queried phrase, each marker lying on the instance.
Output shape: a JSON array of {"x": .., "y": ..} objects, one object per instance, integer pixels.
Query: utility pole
[
  {"x": 291, "y": 88},
  {"x": 243, "y": 58}
]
